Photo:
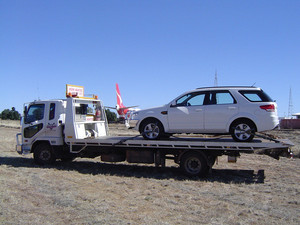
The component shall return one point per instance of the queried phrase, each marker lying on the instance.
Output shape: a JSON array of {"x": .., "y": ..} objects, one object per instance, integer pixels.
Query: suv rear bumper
[{"x": 268, "y": 123}]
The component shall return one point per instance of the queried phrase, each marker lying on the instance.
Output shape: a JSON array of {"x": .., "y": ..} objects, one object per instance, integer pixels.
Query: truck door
[
  {"x": 53, "y": 128},
  {"x": 34, "y": 120}
]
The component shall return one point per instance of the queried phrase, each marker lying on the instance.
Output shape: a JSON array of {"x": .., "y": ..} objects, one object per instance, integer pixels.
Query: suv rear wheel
[{"x": 242, "y": 130}]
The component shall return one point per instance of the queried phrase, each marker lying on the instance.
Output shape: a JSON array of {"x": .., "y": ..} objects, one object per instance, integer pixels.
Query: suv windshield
[{"x": 256, "y": 96}]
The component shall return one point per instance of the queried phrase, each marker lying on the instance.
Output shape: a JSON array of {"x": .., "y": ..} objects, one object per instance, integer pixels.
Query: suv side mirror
[{"x": 173, "y": 104}]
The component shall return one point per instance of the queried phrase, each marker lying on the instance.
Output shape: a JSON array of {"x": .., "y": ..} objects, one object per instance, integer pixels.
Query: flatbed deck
[{"x": 187, "y": 143}]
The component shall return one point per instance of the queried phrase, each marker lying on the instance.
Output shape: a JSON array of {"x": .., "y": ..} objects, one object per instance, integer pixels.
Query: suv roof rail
[{"x": 216, "y": 87}]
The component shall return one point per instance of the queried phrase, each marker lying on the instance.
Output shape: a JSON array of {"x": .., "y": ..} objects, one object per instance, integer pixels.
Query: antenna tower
[
  {"x": 290, "y": 111},
  {"x": 216, "y": 79}
]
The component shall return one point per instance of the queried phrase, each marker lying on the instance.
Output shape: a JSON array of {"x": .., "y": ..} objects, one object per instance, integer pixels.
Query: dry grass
[{"x": 255, "y": 190}]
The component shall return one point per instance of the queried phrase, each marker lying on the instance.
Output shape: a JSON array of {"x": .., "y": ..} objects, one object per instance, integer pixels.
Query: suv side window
[
  {"x": 196, "y": 100},
  {"x": 256, "y": 96},
  {"x": 221, "y": 98},
  {"x": 182, "y": 101},
  {"x": 192, "y": 99},
  {"x": 224, "y": 98}
]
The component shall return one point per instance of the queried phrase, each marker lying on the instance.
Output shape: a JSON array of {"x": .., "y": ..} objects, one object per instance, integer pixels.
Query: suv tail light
[{"x": 268, "y": 108}]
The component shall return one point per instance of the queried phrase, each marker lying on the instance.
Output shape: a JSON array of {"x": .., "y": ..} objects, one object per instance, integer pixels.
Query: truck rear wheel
[
  {"x": 194, "y": 164},
  {"x": 43, "y": 154}
]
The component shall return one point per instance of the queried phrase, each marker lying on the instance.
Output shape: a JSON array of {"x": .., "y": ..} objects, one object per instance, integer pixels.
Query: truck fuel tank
[{"x": 140, "y": 156}]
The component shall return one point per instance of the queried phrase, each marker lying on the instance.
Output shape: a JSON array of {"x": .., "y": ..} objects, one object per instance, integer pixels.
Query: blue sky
[{"x": 154, "y": 49}]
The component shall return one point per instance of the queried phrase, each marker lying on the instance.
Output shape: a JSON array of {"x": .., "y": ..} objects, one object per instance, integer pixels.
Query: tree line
[
  {"x": 111, "y": 116},
  {"x": 12, "y": 114}
]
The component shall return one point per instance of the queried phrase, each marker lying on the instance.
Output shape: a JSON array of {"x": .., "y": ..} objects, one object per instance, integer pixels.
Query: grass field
[{"x": 256, "y": 190}]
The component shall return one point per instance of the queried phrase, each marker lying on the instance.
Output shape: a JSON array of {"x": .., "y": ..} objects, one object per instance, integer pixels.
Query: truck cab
[{"x": 57, "y": 123}]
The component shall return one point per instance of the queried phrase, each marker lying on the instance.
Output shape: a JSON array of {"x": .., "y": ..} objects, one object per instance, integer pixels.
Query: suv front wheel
[
  {"x": 152, "y": 129},
  {"x": 242, "y": 131}
]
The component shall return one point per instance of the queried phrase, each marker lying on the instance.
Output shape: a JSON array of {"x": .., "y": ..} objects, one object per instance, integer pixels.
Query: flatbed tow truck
[{"x": 77, "y": 127}]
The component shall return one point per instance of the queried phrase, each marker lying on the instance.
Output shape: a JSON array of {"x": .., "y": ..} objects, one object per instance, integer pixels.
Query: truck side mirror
[{"x": 25, "y": 111}]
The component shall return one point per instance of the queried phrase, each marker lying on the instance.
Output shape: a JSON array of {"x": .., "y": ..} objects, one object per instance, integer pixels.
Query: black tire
[
  {"x": 194, "y": 164},
  {"x": 242, "y": 131},
  {"x": 152, "y": 129},
  {"x": 43, "y": 154}
]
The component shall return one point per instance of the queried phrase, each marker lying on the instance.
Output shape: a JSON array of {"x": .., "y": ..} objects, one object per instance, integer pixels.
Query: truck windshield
[{"x": 35, "y": 112}]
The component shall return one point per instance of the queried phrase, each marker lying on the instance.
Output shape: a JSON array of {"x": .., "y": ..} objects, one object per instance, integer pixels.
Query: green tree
[
  {"x": 5, "y": 114},
  {"x": 15, "y": 115},
  {"x": 111, "y": 116},
  {"x": 12, "y": 114}
]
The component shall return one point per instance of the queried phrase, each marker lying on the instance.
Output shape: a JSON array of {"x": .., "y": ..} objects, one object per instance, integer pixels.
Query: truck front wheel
[
  {"x": 43, "y": 154},
  {"x": 194, "y": 164}
]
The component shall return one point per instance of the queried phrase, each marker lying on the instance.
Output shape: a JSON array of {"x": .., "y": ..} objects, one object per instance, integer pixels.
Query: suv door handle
[
  {"x": 198, "y": 110},
  {"x": 231, "y": 107}
]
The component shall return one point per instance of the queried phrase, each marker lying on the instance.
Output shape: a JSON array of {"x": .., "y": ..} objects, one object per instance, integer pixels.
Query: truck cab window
[
  {"x": 82, "y": 109},
  {"x": 35, "y": 112},
  {"x": 52, "y": 111}
]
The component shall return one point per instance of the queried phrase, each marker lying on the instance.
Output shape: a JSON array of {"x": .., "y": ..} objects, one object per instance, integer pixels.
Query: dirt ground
[{"x": 256, "y": 190}]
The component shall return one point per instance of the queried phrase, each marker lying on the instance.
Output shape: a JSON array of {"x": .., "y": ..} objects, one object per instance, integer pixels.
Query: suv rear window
[{"x": 256, "y": 96}]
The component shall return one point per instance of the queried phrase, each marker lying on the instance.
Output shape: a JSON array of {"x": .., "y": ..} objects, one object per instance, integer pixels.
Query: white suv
[{"x": 240, "y": 111}]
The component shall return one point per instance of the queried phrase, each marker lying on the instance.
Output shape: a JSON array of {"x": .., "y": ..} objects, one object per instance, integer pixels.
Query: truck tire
[
  {"x": 43, "y": 154},
  {"x": 194, "y": 164},
  {"x": 152, "y": 129}
]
